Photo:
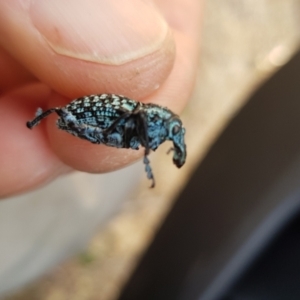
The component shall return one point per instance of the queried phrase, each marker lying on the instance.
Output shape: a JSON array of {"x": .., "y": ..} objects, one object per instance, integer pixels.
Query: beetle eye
[{"x": 175, "y": 129}]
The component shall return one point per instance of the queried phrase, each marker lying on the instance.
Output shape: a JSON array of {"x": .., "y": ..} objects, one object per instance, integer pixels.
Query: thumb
[{"x": 89, "y": 46}]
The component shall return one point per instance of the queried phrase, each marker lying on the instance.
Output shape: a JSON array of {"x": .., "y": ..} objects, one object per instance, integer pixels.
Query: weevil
[{"x": 117, "y": 121}]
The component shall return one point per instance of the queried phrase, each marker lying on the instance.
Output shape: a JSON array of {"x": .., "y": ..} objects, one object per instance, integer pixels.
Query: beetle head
[{"x": 176, "y": 134}]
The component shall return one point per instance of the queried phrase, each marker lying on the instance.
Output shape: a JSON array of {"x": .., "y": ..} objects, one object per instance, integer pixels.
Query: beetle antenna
[{"x": 170, "y": 150}]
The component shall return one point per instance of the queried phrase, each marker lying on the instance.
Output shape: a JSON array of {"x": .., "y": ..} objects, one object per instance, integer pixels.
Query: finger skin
[
  {"x": 12, "y": 73},
  {"x": 26, "y": 159},
  {"x": 22, "y": 37}
]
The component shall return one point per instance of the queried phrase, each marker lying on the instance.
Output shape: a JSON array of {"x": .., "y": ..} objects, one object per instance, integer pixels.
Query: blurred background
[{"x": 85, "y": 242}]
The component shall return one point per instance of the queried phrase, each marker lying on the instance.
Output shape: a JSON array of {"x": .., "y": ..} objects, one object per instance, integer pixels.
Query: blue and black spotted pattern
[{"x": 117, "y": 121}]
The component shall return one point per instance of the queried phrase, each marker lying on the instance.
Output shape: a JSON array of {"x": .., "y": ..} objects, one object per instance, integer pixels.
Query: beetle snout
[
  {"x": 176, "y": 134},
  {"x": 179, "y": 155}
]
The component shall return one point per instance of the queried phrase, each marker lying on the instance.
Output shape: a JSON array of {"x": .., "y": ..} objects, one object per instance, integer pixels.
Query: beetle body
[{"x": 117, "y": 121}]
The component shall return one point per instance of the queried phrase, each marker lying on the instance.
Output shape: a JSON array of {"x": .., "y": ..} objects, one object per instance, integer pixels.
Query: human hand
[{"x": 88, "y": 47}]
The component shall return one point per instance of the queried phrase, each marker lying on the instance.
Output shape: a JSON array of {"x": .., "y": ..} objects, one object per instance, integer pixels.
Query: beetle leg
[
  {"x": 149, "y": 171},
  {"x": 113, "y": 126},
  {"x": 142, "y": 130},
  {"x": 124, "y": 116},
  {"x": 84, "y": 131},
  {"x": 129, "y": 129},
  {"x": 40, "y": 116}
]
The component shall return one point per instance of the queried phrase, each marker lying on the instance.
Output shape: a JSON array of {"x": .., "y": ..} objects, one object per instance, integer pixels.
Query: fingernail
[{"x": 110, "y": 32}]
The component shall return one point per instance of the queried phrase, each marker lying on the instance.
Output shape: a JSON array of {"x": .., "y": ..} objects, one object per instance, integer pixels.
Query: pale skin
[{"x": 51, "y": 53}]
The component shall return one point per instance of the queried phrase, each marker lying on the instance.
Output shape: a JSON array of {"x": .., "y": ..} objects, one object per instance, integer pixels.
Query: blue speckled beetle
[{"x": 117, "y": 121}]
